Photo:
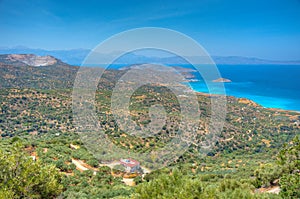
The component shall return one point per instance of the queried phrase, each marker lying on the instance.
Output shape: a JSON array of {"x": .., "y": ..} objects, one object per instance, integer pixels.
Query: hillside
[
  {"x": 29, "y": 60},
  {"x": 31, "y": 71},
  {"x": 36, "y": 109},
  {"x": 45, "y": 91},
  {"x": 17, "y": 71}
]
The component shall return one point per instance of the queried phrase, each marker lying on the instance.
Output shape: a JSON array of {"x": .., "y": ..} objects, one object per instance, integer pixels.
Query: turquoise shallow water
[{"x": 272, "y": 86}]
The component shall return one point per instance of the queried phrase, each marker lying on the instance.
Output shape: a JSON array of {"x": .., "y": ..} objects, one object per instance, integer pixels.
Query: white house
[{"x": 130, "y": 165}]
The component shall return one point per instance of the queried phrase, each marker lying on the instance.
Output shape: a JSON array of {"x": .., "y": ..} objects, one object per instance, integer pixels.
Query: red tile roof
[{"x": 129, "y": 162}]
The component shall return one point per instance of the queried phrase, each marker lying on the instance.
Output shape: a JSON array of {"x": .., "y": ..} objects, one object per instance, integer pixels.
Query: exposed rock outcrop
[{"x": 32, "y": 60}]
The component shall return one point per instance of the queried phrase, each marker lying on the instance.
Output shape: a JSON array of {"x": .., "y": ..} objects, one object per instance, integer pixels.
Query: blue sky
[{"x": 267, "y": 29}]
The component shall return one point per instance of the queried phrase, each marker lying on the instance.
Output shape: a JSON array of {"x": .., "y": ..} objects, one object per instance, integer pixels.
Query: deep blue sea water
[{"x": 272, "y": 86}]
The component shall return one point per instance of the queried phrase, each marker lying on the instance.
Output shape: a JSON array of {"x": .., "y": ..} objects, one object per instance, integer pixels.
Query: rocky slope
[
  {"x": 29, "y": 60},
  {"x": 33, "y": 60}
]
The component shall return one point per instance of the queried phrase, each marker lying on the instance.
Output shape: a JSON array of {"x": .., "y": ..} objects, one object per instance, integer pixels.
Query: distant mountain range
[
  {"x": 250, "y": 60},
  {"x": 77, "y": 56}
]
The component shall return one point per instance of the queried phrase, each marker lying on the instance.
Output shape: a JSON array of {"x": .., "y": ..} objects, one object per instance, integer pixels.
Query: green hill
[{"x": 36, "y": 109}]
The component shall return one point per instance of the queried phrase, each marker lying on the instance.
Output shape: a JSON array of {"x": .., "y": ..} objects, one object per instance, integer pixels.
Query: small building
[{"x": 130, "y": 165}]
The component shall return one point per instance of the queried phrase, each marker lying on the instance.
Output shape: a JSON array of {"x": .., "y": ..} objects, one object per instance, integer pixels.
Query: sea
[{"x": 271, "y": 86}]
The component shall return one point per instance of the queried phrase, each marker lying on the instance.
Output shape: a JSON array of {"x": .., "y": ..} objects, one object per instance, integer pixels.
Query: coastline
[
  {"x": 271, "y": 86},
  {"x": 250, "y": 101}
]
